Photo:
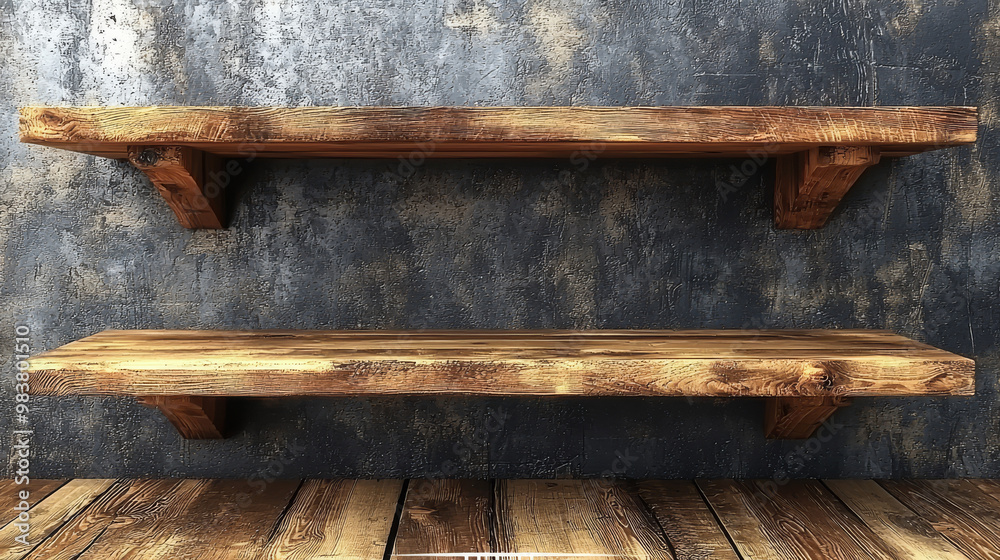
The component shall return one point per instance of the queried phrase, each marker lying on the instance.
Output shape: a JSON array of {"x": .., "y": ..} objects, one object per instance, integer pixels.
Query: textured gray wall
[{"x": 89, "y": 245}]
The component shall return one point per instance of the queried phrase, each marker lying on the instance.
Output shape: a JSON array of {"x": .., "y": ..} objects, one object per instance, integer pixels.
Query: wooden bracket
[
  {"x": 187, "y": 179},
  {"x": 798, "y": 417},
  {"x": 194, "y": 417},
  {"x": 809, "y": 185}
]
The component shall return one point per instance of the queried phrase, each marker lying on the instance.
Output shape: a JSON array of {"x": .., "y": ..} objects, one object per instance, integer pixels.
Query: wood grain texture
[
  {"x": 195, "y": 519},
  {"x": 906, "y": 534},
  {"x": 125, "y": 498},
  {"x": 769, "y": 363},
  {"x": 445, "y": 517},
  {"x": 336, "y": 519},
  {"x": 51, "y": 512},
  {"x": 798, "y": 417},
  {"x": 808, "y": 185},
  {"x": 184, "y": 177},
  {"x": 566, "y": 517},
  {"x": 965, "y": 515},
  {"x": 800, "y": 519},
  {"x": 194, "y": 417},
  {"x": 495, "y": 131},
  {"x": 38, "y": 489},
  {"x": 686, "y": 519}
]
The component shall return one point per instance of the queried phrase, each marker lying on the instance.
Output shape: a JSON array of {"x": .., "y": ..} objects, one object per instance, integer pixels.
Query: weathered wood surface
[
  {"x": 958, "y": 509},
  {"x": 346, "y": 519},
  {"x": 598, "y": 517},
  {"x": 496, "y": 131},
  {"x": 686, "y": 519},
  {"x": 552, "y": 519},
  {"x": 808, "y": 185},
  {"x": 445, "y": 517},
  {"x": 769, "y": 363},
  {"x": 907, "y": 535},
  {"x": 184, "y": 177},
  {"x": 798, "y": 519}
]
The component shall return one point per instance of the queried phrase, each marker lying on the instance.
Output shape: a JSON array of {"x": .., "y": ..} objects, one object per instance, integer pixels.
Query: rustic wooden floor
[{"x": 420, "y": 519}]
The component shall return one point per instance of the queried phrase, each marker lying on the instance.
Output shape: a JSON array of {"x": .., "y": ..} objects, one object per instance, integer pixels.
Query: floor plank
[
  {"x": 138, "y": 497},
  {"x": 445, "y": 517},
  {"x": 51, "y": 512},
  {"x": 902, "y": 530},
  {"x": 595, "y": 517},
  {"x": 988, "y": 487},
  {"x": 38, "y": 489},
  {"x": 960, "y": 511},
  {"x": 800, "y": 519},
  {"x": 337, "y": 519},
  {"x": 686, "y": 519}
]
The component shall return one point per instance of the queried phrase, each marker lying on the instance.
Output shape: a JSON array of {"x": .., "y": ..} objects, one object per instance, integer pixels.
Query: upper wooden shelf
[
  {"x": 820, "y": 150},
  {"x": 805, "y": 374}
]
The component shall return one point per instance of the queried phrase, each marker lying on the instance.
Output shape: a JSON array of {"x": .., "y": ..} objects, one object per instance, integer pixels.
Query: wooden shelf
[
  {"x": 596, "y": 519},
  {"x": 804, "y": 374},
  {"x": 820, "y": 151}
]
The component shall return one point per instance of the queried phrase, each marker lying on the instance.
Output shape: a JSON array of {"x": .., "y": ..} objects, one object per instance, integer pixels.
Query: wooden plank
[
  {"x": 124, "y": 498},
  {"x": 194, "y": 417},
  {"x": 183, "y": 176},
  {"x": 904, "y": 532},
  {"x": 394, "y": 131},
  {"x": 800, "y": 519},
  {"x": 809, "y": 185},
  {"x": 206, "y": 519},
  {"x": 50, "y": 513},
  {"x": 987, "y": 486},
  {"x": 445, "y": 517},
  {"x": 966, "y": 516},
  {"x": 37, "y": 489},
  {"x": 686, "y": 519},
  {"x": 641, "y": 363},
  {"x": 798, "y": 417},
  {"x": 331, "y": 519},
  {"x": 567, "y": 517}
]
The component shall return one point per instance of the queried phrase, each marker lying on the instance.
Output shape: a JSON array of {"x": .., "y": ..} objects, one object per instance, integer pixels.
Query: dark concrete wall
[{"x": 89, "y": 245}]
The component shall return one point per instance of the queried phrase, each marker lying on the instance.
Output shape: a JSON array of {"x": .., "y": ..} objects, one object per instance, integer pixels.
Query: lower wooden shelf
[
  {"x": 506, "y": 519},
  {"x": 804, "y": 374}
]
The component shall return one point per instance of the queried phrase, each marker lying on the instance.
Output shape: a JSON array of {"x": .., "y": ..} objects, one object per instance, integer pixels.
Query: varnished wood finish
[
  {"x": 967, "y": 516},
  {"x": 194, "y": 417},
  {"x": 187, "y": 180},
  {"x": 552, "y": 520},
  {"x": 809, "y": 185},
  {"x": 336, "y": 519},
  {"x": 598, "y": 517},
  {"x": 907, "y": 535},
  {"x": 796, "y": 519},
  {"x": 798, "y": 417},
  {"x": 686, "y": 519},
  {"x": 186, "y": 374},
  {"x": 445, "y": 517},
  {"x": 501, "y": 131},
  {"x": 769, "y": 363},
  {"x": 821, "y": 150}
]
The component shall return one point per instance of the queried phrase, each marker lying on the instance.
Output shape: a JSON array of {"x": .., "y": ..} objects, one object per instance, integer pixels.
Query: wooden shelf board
[
  {"x": 807, "y": 375},
  {"x": 820, "y": 151},
  {"x": 641, "y": 363},
  {"x": 500, "y": 131}
]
